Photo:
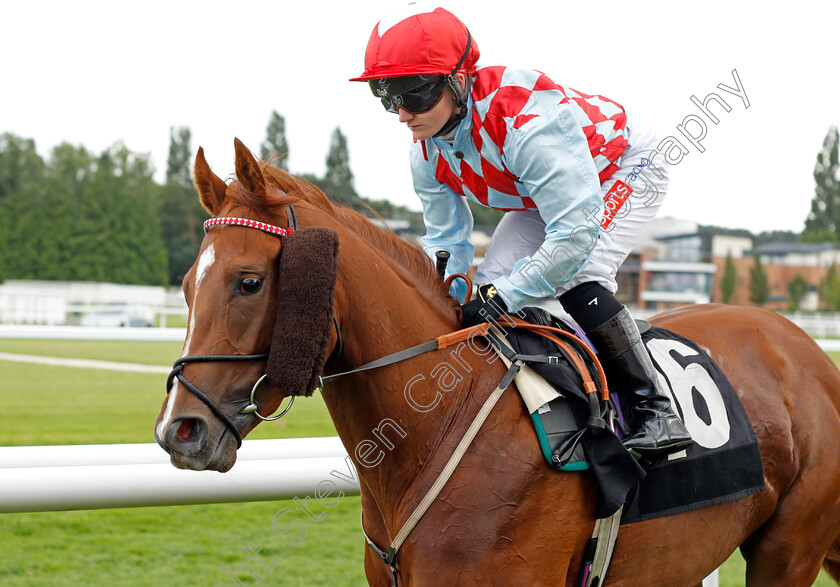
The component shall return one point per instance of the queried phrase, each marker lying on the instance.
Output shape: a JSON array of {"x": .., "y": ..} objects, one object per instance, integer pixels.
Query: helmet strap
[{"x": 461, "y": 95}]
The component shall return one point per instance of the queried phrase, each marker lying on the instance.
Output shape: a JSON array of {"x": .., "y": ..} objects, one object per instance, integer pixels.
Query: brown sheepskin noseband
[{"x": 308, "y": 272}]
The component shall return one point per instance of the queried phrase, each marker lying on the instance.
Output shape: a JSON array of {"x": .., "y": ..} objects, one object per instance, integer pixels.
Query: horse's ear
[
  {"x": 211, "y": 189},
  {"x": 248, "y": 170},
  {"x": 303, "y": 329}
]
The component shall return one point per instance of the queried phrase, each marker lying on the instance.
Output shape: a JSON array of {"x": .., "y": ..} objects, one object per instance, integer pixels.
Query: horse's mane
[{"x": 292, "y": 189}]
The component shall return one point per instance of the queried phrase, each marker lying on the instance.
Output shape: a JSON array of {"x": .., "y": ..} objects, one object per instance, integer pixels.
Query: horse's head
[{"x": 235, "y": 333}]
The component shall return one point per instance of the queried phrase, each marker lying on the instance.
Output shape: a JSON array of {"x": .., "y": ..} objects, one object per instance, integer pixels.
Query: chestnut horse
[{"x": 505, "y": 517}]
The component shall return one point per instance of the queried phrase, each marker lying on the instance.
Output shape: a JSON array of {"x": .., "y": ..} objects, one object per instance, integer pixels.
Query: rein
[{"x": 440, "y": 342}]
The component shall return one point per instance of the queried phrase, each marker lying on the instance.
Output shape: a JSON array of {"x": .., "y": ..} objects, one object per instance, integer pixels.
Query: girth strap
[
  {"x": 596, "y": 559},
  {"x": 391, "y": 556}
]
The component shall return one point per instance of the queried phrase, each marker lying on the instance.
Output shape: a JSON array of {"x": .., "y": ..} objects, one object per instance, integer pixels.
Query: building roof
[
  {"x": 785, "y": 248},
  {"x": 709, "y": 231},
  {"x": 719, "y": 230}
]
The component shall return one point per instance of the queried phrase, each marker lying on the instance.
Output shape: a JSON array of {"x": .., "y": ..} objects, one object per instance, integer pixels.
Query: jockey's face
[{"x": 424, "y": 125}]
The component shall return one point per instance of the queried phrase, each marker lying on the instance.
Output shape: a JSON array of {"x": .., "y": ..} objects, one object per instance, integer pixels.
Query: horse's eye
[{"x": 250, "y": 285}]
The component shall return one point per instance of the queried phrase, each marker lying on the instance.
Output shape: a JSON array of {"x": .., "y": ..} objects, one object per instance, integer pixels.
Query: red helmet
[{"x": 427, "y": 43}]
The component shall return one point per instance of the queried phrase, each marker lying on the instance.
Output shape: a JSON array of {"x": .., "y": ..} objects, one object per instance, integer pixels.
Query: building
[
  {"x": 800, "y": 254},
  {"x": 674, "y": 265},
  {"x": 783, "y": 262},
  {"x": 681, "y": 262}
]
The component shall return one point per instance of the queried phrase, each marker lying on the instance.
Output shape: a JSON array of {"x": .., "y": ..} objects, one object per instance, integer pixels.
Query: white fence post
[{"x": 712, "y": 580}]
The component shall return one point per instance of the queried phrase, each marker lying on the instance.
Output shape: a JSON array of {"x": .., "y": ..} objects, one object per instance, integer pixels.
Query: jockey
[{"x": 575, "y": 179}]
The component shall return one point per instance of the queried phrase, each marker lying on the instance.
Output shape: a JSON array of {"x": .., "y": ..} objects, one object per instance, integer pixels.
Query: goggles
[{"x": 417, "y": 93}]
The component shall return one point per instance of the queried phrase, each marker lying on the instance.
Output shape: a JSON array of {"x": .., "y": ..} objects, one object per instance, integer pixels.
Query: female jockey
[{"x": 576, "y": 180}]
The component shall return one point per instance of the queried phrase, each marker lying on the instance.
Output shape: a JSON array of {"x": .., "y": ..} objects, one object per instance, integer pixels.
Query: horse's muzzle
[{"x": 190, "y": 445}]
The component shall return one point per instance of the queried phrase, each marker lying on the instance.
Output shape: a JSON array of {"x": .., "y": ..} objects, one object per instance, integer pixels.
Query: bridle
[
  {"x": 178, "y": 366},
  {"x": 177, "y": 372}
]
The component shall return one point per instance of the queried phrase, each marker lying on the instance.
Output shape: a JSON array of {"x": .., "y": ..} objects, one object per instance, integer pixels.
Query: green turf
[
  {"x": 180, "y": 546},
  {"x": 149, "y": 353},
  {"x": 88, "y": 406},
  {"x": 172, "y": 546}
]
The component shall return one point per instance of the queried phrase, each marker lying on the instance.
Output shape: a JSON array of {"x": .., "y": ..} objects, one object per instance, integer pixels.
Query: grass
[
  {"x": 147, "y": 353},
  {"x": 178, "y": 546},
  {"x": 172, "y": 546},
  {"x": 89, "y": 406},
  {"x": 187, "y": 546}
]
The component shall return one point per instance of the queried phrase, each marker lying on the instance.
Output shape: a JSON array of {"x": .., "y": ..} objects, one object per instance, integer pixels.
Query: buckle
[{"x": 552, "y": 360}]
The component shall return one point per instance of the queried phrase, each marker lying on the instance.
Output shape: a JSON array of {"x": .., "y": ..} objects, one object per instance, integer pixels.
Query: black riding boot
[{"x": 659, "y": 430}]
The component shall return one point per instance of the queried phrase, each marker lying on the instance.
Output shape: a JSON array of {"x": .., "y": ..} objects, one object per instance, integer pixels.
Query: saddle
[
  {"x": 565, "y": 390},
  {"x": 564, "y": 368}
]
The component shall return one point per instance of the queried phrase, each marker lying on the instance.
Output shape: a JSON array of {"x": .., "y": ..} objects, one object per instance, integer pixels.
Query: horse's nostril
[
  {"x": 185, "y": 429},
  {"x": 183, "y": 433}
]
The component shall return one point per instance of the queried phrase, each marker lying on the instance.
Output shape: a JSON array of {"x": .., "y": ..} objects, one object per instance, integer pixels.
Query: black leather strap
[
  {"x": 388, "y": 360},
  {"x": 177, "y": 372}
]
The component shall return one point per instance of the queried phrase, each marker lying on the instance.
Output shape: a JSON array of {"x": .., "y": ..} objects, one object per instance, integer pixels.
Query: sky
[{"x": 93, "y": 73}]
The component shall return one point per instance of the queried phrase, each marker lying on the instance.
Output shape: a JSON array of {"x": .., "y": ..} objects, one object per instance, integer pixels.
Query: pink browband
[{"x": 269, "y": 228}]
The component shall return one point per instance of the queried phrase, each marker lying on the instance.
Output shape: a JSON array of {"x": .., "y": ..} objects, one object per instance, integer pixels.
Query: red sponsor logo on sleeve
[{"x": 613, "y": 202}]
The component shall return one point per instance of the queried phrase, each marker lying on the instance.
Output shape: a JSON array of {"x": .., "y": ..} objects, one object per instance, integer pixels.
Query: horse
[{"x": 504, "y": 517}]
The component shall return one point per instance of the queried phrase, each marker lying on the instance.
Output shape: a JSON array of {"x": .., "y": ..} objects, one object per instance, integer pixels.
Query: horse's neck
[{"x": 393, "y": 420}]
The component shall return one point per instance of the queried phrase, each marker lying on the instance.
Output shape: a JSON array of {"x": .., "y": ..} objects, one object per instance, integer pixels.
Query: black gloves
[{"x": 488, "y": 306}]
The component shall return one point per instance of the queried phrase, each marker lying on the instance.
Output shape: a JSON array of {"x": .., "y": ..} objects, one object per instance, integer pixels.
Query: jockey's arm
[
  {"x": 550, "y": 155},
  {"x": 448, "y": 221}
]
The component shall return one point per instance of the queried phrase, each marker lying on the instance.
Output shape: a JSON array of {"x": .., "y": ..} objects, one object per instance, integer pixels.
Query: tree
[
  {"x": 68, "y": 177},
  {"x": 80, "y": 216},
  {"x": 275, "y": 148},
  {"x": 759, "y": 285},
  {"x": 21, "y": 167},
  {"x": 829, "y": 290},
  {"x": 338, "y": 180},
  {"x": 22, "y": 177},
  {"x": 125, "y": 241},
  {"x": 729, "y": 281},
  {"x": 178, "y": 165},
  {"x": 823, "y": 235},
  {"x": 182, "y": 213},
  {"x": 89, "y": 218},
  {"x": 797, "y": 290},
  {"x": 825, "y": 207}
]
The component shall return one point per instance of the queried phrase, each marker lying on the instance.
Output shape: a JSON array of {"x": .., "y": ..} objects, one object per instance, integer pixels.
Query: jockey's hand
[{"x": 487, "y": 306}]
